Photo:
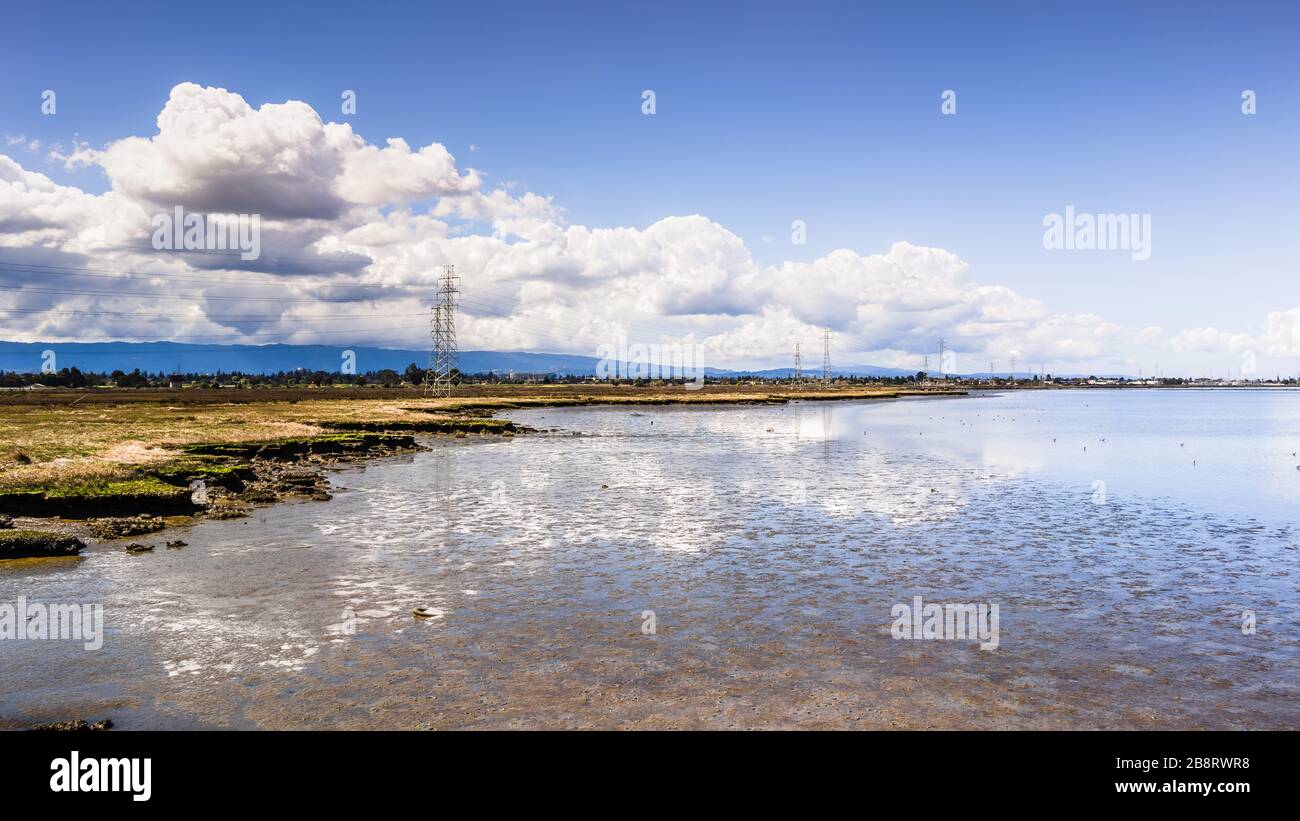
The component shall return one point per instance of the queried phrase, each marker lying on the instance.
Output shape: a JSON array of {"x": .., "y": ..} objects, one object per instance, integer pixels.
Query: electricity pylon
[
  {"x": 444, "y": 356},
  {"x": 826, "y": 357}
]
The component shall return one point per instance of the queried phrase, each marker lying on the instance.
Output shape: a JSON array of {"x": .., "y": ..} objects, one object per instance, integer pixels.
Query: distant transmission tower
[
  {"x": 826, "y": 357},
  {"x": 942, "y": 348},
  {"x": 798, "y": 365},
  {"x": 444, "y": 356}
]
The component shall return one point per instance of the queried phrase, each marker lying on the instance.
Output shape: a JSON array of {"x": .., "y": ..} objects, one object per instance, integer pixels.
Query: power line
[
  {"x": 188, "y": 349},
  {"x": 491, "y": 305},
  {"x": 334, "y": 333},
  {"x": 231, "y": 253},
  {"x": 207, "y": 317},
  {"x": 123, "y": 273},
  {"x": 182, "y": 297},
  {"x": 485, "y": 304}
]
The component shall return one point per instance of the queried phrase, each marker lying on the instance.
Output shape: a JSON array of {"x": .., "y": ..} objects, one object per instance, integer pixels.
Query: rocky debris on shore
[
  {"x": 29, "y": 544},
  {"x": 223, "y": 511},
  {"x": 119, "y": 528},
  {"x": 78, "y": 725},
  {"x": 291, "y": 468},
  {"x": 258, "y": 496},
  {"x": 231, "y": 476},
  {"x": 276, "y": 481},
  {"x": 136, "y": 547}
]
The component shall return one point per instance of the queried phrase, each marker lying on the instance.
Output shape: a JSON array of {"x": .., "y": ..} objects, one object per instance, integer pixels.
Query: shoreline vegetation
[{"x": 110, "y": 465}]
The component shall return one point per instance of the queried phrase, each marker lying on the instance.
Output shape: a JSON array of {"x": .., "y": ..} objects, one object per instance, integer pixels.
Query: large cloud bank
[{"x": 354, "y": 234}]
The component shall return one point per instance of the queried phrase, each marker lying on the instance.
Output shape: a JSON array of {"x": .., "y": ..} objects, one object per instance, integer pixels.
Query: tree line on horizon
[{"x": 415, "y": 375}]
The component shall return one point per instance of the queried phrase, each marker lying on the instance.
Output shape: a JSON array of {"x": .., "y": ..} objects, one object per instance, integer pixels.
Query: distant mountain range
[{"x": 179, "y": 357}]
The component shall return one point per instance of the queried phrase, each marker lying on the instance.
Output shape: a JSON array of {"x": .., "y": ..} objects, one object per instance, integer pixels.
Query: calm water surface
[{"x": 1122, "y": 535}]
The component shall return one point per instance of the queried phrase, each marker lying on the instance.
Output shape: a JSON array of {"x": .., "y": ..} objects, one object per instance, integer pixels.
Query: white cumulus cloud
[{"x": 354, "y": 232}]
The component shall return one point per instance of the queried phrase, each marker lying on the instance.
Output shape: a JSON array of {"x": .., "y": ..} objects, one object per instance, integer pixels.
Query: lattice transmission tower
[
  {"x": 798, "y": 365},
  {"x": 444, "y": 356},
  {"x": 826, "y": 357}
]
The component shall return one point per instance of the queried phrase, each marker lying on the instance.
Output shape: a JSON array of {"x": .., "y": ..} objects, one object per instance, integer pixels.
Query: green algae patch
[
  {"x": 30, "y": 544},
  {"x": 143, "y": 486},
  {"x": 211, "y": 470},
  {"x": 89, "y": 499}
]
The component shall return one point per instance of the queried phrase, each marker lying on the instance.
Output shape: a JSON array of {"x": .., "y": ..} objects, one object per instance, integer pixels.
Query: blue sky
[{"x": 767, "y": 113}]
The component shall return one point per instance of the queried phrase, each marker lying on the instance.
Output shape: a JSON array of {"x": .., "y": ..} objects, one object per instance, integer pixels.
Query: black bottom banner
[{"x": 144, "y": 771}]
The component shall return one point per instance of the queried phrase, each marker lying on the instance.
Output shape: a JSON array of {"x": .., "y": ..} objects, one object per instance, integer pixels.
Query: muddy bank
[
  {"x": 265, "y": 473},
  {"x": 31, "y": 544},
  {"x": 216, "y": 481},
  {"x": 475, "y": 425},
  {"x": 304, "y": 448}
]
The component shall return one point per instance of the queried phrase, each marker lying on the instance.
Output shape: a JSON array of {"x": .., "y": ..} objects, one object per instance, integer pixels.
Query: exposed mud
[{"x": 709, "y": 568}]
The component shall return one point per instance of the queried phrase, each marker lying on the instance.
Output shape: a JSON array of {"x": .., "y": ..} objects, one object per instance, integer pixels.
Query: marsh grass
[{"x": 89, "y": 446}]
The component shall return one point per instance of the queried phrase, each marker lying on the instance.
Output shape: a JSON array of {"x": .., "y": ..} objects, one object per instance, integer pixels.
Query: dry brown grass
[{"x": 61, "y": 440}]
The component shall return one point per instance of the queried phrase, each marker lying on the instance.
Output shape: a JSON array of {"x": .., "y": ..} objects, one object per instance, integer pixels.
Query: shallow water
[{"x": 770, "y": 543}]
